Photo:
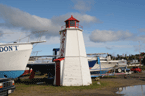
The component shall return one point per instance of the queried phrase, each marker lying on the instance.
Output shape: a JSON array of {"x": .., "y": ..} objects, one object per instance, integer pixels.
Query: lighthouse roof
[{"x": 72, "y": 18}]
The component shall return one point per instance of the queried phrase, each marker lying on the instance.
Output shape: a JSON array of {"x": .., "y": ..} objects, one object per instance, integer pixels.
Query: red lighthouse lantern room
[{"x": 72, "y": 22}]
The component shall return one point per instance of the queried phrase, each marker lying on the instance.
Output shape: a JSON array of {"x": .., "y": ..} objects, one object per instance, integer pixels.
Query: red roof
[{"x": 72, "y": 18}]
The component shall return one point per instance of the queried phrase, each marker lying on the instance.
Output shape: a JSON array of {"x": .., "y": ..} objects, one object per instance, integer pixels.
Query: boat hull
[
  {"x": 13, "y": 61},
  {"x": 91, "y": 63},
  {"x": 104, "y": 68},
  {"x": 11, "y": 74},
  {"x": 98, "y": 72}
]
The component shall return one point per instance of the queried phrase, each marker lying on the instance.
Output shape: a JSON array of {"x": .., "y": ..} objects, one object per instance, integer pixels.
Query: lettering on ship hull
[{"x": 8, "y": 48}]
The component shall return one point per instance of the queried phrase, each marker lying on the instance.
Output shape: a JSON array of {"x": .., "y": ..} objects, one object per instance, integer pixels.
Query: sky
[{"x": 109, "y": 26}]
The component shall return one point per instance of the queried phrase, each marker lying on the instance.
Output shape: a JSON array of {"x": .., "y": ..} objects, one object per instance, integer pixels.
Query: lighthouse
[{"x": 72, "y": 67}]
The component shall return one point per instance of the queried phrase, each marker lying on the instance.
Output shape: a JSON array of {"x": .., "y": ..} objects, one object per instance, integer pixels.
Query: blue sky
[{"x": 109, "y": 26}]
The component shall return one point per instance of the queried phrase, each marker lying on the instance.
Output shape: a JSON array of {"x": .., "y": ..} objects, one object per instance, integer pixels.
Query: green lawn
[{"x": 27, "y": 87}]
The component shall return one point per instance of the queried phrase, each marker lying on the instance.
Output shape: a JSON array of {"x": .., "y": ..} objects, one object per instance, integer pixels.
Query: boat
[
  {"x": 14, "y": 58},
  {"x": 106, "y": 64},
  {"x": 43, "y": 60},
  {"x": 101, "y": 67},
  {"x": 119, "y": 64},
  {"x": 91, "y": 61},
  {"x": 44, "y": 64}
]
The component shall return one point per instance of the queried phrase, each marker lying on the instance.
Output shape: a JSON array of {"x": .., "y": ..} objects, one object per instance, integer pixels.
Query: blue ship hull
[
  {"x": 11, "y": 74},
  {"x": 99, "y": 72}
]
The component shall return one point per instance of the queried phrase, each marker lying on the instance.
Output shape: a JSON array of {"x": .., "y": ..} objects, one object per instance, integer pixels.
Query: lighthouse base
[{"x": 75, "y": 72}]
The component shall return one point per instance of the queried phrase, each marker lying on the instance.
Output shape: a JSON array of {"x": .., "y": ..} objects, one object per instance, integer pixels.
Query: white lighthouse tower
[{"x": 72, "y": 67}]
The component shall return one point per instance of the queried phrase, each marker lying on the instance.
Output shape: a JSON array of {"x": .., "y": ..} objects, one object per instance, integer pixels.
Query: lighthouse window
[
  {"x": 67, "y": 23},
  {"x": 72, "y": 23}
]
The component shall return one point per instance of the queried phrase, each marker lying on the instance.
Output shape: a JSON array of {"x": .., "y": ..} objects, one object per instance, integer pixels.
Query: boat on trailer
[
  {"x": 44, "y": 64},
  {"x": 105, "y": 64}
]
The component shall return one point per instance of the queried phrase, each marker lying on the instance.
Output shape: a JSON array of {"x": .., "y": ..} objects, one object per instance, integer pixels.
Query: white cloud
[
  {"x": 83, "y": 18},
  {"x": 11, "y": 35},
  {"x": 15, "y": 18},
  {"x": 108, "y": 35},
  {"x": 142, "y": 29},
  {"x": 83, "y": 5},
  {"x": 107, "y": 45},
  {"x": 140, "y": 38},
  {"x": 52, "y": 40},
  {"x": 114, "y": 47}
]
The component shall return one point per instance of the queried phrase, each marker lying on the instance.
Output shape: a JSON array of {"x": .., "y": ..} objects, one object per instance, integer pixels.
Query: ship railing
[{"x": 40, "y": 33}]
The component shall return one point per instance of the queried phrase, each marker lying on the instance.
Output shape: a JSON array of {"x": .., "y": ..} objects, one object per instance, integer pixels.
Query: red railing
[
  {"x": 81, "y": 27},
  {"x": 63, "y": 27}
]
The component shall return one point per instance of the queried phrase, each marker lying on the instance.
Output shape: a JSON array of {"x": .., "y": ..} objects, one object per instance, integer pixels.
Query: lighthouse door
[{"x": 58, "y": 73}]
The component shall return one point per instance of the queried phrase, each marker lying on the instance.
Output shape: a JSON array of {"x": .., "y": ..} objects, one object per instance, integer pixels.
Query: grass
[
  {"x": 109, "y": 76},
  {"x": 64, "y": 88},
  {"x": 143, "y": 67},
  {"x": 28, "y": 88}
]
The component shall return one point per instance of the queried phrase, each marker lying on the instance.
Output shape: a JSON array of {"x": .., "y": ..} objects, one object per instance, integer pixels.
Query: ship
[
  {"x": 105, "y": 64},
  {"x": 14, "y": 58}
]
